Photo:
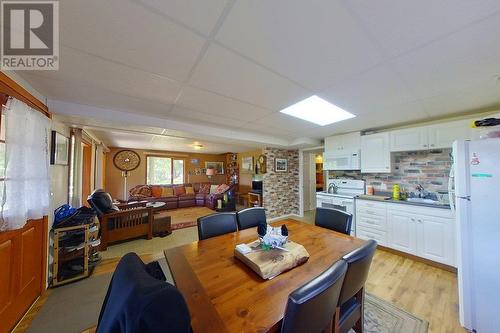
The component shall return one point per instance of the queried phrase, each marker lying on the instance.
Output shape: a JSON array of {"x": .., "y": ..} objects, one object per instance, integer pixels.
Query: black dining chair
[
  {"x": 311, "y": 307},
  {"x": 251, "y": 217},
  {"x": 334, "y": 219},
  {"x": 216, "y": 224},
  {"x": 350, "y": 309}
]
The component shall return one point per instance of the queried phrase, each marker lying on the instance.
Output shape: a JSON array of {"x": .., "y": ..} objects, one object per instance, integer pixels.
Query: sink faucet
[
  {"x": 421, "y": 191},
  {"x": 332, "y": 188}
]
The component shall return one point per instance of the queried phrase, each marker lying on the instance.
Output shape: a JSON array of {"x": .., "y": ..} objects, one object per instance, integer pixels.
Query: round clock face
[{"x": 126, "y": 160}]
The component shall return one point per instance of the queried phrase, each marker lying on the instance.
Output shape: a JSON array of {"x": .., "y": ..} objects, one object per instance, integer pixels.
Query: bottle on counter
[{"x": 395, "y": 192}]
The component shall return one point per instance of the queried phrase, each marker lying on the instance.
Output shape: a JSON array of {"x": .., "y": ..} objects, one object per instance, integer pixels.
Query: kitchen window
[{"x": 164, "y": 170}]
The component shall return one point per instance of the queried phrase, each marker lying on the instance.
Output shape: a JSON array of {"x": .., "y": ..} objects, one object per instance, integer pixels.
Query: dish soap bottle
[{"x": 395, "y": 191}]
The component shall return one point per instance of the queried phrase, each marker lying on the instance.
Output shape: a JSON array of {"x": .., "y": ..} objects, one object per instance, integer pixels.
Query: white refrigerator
[{"x": 477, "y": 203}]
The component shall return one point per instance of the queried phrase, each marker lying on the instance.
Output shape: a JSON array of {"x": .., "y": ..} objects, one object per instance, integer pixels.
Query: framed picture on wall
[
  {"x": 247, "y": 164},
  {"x": 195, "y": 161},
  {"x": 218, "y": 166},
  {"x": 281, "y": 165},
  {"x": 59, "y": 149}
]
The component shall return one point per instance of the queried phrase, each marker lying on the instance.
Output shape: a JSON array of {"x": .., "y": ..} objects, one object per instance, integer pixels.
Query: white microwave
[{"x": 343, "y": 160}]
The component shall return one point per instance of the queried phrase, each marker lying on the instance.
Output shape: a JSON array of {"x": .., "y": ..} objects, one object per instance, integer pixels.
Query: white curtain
[{"x": 26, "y": 186}]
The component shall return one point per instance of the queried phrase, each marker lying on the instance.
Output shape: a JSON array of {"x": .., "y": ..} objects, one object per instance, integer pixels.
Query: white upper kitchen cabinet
[
  {"x": 409, "y": 139},
  {"x": 375, "y": 153},
  {"x": 442, "y": 135},
  {"x": 343, "y": 142}
]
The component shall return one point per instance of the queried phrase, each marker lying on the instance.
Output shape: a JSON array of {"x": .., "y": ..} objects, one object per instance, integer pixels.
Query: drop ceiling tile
[
  {"x": 288, "y": 123},
  {"x": 383, "y": 117},
  {"x": 89, "y": 95},
  {"x": 368, "y": 92},
  {"x": 454, "y": 63},
  {"x": 218, "y": 106},
  {"x": 400, "y": 26},
  {"x": 201, "y": 118},
  {"x": 126, "y": 32},
  {"x": 198, "y": 14},
  {"x": 483, "y": 95},
  {"x": 81, "y": 68},
  {"x": 316, "y": 43},
  {"x": 226, "y": 73}
]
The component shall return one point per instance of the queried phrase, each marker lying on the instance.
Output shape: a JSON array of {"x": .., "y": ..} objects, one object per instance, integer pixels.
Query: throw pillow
[
  {"x": 167, "y": 192},
  {"x": 213, "y": 188},
  {"x": 221, "y": 189},
  {"x": 189, "y": 190},
  {"x": 141, "y": 191},
  {"x": 204, "y": 188},
  {"x": 179, "y": 190},
  {"x": 156, "y": 191}
]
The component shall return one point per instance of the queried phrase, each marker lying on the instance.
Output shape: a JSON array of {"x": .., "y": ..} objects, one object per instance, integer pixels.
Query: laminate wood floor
[{"x": 426, "y": 291}]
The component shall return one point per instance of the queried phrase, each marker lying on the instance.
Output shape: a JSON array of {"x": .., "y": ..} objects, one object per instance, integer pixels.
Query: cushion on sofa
[
  {"x": 156, "y": 191},
  {"x": 189, "y": 190},
  {"x": 221, "y": 188},
  {"x": 141, "y": 191},
  {"x": 167, "y": 192},
  {"x": 179, "y": 190},
  {"x": 204, "y": 188}
]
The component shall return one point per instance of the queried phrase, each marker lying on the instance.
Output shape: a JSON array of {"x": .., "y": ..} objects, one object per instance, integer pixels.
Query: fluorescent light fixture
[{"x": 318, "y": 111}]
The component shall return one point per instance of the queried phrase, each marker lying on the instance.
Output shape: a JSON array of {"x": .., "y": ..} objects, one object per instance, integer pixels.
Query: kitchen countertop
[{"x": 402, "y": 202}]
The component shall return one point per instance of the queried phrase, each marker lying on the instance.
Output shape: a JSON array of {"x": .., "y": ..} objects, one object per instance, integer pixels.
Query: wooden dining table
[{"x": 224, "y": 295}]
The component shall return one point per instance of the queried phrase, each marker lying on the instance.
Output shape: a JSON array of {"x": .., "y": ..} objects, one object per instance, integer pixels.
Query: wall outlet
[{"x": 383, "y": 187}]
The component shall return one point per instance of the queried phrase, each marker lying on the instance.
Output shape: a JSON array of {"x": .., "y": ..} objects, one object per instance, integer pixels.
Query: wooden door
[
  {"x": 22, "y": 273},
  {"x": 86, "y": 172}
]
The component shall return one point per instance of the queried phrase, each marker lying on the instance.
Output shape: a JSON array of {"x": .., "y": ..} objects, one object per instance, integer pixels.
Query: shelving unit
[
  {"x": 71, "y": 254},
  {"x": 232, "y": 169}
]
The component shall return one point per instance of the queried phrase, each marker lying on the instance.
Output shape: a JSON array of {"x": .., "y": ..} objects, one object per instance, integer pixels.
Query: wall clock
[{"x": 126, "y": 160}]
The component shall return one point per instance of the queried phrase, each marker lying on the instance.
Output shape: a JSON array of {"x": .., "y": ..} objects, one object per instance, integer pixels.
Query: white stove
[{"x": 341, "y": 196}]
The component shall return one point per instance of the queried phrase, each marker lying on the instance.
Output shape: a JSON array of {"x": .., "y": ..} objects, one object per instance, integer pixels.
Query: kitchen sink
[{"x": 422, "y": 200}]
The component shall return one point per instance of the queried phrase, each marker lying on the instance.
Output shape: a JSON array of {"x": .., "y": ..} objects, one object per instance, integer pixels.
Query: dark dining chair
[
  {"x": 334, "y": 219},
  {"x": 137, "y": 301},
  {"x": 251, "y": 217},
  {"x": 350, "y": 310},
  {"x": 216, "y": 224},
  {"x": 311, "y": 307}
]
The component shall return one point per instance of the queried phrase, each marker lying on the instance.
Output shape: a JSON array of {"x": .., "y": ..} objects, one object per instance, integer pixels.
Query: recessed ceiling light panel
[{"x": 318, "y": 111}]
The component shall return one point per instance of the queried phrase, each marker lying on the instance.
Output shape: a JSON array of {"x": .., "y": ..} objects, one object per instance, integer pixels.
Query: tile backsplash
[{"x": 428, "y": 168}]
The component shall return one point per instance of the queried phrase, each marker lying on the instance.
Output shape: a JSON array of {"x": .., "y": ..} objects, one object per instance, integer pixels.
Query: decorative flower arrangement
[{"x": 272, "y": 237}]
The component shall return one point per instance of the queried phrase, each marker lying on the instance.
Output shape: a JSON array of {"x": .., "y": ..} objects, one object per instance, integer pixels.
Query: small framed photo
[
  {"x": 218, "y": 166},
  {"x": 59, "y": 149},
  {"x": 195, "y": 161},
  {"x": 280, "y": 165},
  {"x": 247, "y": 164}
]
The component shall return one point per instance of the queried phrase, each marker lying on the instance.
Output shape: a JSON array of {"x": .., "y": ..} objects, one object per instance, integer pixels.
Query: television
[{"x": 257, "y": 185}]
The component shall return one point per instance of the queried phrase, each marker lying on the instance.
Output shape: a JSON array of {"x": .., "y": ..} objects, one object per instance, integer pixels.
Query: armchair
[{"x": 121, "y": 222}]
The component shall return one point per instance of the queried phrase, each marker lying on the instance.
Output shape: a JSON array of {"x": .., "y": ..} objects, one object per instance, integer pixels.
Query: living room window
[{"x": 164, "y": 170}]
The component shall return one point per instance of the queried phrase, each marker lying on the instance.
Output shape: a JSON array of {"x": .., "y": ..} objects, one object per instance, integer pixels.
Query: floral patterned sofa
[{"x": 181, "y": 195}]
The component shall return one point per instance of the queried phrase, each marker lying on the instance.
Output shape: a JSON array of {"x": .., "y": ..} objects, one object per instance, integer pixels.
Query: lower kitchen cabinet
[
  {"x": 435, "y": 238},
  {"x": 426, "y": 232},
  {"x": 402, "y": 233}
]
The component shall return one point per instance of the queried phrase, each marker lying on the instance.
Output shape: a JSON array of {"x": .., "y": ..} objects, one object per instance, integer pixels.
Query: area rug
[
  {"x": 76, "y": 307},
  {"x": 186, "y": 217}
]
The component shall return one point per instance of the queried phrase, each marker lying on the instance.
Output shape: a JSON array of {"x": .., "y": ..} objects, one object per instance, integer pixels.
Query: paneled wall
[
  {"x": 428, "y": 168},
  {"x": 281, "y": 189},
  {"x": 245, "y": 181}
]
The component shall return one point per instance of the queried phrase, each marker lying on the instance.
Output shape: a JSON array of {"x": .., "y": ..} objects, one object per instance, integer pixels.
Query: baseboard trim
[
  {"x": 282, "y": 217},
  {"x": 420, "y": 259}
]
